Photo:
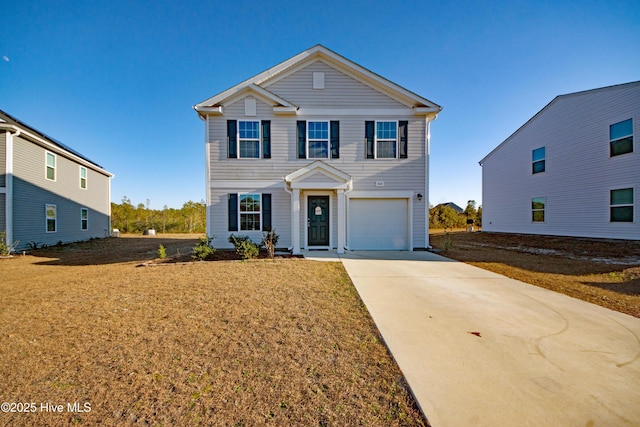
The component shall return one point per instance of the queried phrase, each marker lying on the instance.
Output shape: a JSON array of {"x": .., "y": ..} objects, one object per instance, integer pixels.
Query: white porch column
[
  {"x": 341, "y": 221},
  {"x": 295, "y": 221}
]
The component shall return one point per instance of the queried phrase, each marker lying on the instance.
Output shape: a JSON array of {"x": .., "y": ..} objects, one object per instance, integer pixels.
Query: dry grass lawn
[
  {"x": 603, "y": 272},
  {"x": 228, "y": 343}
]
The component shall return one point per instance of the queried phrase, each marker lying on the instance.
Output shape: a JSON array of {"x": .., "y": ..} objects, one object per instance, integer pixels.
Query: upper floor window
[
  {"x": 622, "y": 205},
  {"x": 83, "y": 177},
  {"x": 245, "y": 138},
  {"x": 84, "y": 219},
  {"x": 538, "y": 158},
  {"x": 51, "y": 218},
  {"x": 621, "y": 137},
  {"x": 538, "y": 205},
  {"x": 51, "y": 166},
  {"x": 386, "y": 139},
  {"x": 318, "y": 140},
  {"x": 249, "y": 140}
]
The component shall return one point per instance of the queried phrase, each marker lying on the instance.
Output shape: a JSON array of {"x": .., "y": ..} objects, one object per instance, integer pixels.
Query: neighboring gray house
[
  {"x": 324, "y": 151},
  {"x": 453, "y": 206},
  {"x": 571, "y": 170},
  {"x": 48, "y": 192}
]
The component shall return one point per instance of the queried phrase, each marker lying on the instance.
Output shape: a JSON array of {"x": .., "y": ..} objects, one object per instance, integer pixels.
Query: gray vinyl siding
[
  {"x": 579, "y": 172},
  {"x": 32, "y": 191},
  {"x": 280, "y": 216},
  {"x": 340, "y": 90},
  {"x": 3, "y": 214},
  {"x": 3, "y": 158}
]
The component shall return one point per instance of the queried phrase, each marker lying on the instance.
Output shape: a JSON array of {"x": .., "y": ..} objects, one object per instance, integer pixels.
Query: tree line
[
  {"x": 444, "y": 216},
  {"x": 127, "y": 218}
]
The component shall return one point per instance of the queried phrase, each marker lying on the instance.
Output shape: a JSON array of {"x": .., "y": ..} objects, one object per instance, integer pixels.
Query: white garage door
[{"x": 378, "y": 224}]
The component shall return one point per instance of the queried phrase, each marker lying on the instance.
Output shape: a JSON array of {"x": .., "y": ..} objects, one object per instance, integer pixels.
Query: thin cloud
[{"x": 6, "y": 58}]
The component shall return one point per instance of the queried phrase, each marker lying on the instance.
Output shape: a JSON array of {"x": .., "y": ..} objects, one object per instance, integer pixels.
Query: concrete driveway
[{"x": 479, "y": 349}]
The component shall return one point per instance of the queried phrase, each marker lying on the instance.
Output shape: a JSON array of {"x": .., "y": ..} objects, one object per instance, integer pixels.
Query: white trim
[
  {"x": 8, "y": 200},
  {"x": 245, "y": 184},
  {"x": 308, "y": 139},
  {"x": 260, "y": 148},
  {"x": 632, "y": 204},
  {"x": 365, "y": 112},
  {"x": 427, "y": 154},
  {"x": 46, "y": 218},
  {"x": 207, "y": 184},
  {"x": 81, "y": 219},
  {"x": 372, "y": 194},
  {"x": 86, "y": 177},
  {"x": 46, "y": 166},
  {"x": 306, "y": 217},
  {"x": 295, "y": 221},
  {"x": 375, "y": 140}
]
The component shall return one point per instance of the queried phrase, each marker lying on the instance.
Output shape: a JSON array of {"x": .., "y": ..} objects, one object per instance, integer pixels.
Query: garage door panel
[{"x": 378, "y": 224}]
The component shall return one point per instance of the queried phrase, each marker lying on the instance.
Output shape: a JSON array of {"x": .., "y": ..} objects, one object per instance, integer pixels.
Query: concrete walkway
[{"x": 479, "y": 349}]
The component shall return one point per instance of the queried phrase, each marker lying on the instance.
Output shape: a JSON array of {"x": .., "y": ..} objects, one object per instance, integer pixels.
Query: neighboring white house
[
  {"x": 325, "y": 152},
  {"x": 571, "y": 170},
  {"x": 49, "y": 193}
]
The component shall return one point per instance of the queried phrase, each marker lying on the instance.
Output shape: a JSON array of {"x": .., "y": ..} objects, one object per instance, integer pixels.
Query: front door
[{"x": 318, "y": 220}]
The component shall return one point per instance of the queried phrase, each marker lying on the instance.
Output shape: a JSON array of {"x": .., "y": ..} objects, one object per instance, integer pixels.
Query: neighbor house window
[
  {"x": 537, "y": 209},
  {"x": 621, "y": 138},
  {"x": 83, "y": 177},
  {"x": 250, "y": 212},
  {"x": 538, "y": 157},
  {"x": 249, "y": 139},
  {"x": 52, "y": 218},
  {"x": 386, "y": 145},
  {"x": 51, "y": 166},
  {"x": 84, "y": 218},
  {"x": 318, "y": 140},
  {"x": 622, "y": 205}
]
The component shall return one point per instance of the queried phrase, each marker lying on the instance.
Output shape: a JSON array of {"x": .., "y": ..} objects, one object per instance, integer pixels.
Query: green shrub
[
  {"x": 244, "y": 246},
  {"x": 162, "y": 252},
  {"x": 269, "y": 242},
  {"x": 203, "y": 250}
]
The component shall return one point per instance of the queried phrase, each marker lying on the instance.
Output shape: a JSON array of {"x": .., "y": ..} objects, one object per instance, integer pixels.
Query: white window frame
[
  {"x": 542, "y": 160},
  {"x": 258, "y": 140},
  {"x": 85, "y": 178},
  {"x": 47, "y": 218},
  {"x": 258, "y": 212},
  {"x": 612, "y": 141},
  {"x": 328, "y": 140},
  {"x": 46, "y": 166},
  {"x": 543, "y": 210},
  {"x": 82, "y": 219},
  {"x": 625, "y": 205},
  {"x": 376, "y": 139}
]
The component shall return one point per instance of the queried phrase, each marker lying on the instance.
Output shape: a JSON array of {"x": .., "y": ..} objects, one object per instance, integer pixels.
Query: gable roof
[
  {"x": 319, "y": 52},
  {"x": 554, "y": 101},
  {"x": 453, "y": 206},
  {"x": 11, "y": 123}
]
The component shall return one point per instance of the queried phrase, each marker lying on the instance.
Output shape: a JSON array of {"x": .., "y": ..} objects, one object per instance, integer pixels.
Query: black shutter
[
  {"x": 335, "y": 139},
  {"x": 233, "y": 212},
  {"x": 266, "y": 212},
  {"x": 232, "y": 143},
  {"x": 403, "y": 138},
  {"x": 369, "y": 128},
  {"x": 302, "y": 139},
  {"x": 266, "y": 139}
]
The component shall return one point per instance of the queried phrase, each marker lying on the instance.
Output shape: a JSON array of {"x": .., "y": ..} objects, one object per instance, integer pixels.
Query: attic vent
[
  {"x": 318, "y": 80},
  {"x": 249, "y": 106}
]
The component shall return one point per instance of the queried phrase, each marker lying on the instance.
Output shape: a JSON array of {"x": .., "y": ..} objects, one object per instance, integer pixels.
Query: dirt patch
[
  {"x": 231, "y": 343},
  {"x": 600, "y": 271}
]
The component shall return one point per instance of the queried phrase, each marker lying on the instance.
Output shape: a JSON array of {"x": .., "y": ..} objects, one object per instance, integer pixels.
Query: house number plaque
[{"x": 318, "y": 211}]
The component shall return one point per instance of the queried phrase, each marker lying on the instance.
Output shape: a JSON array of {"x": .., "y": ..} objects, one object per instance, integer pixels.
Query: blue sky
[{"x": 117, "y": 80}]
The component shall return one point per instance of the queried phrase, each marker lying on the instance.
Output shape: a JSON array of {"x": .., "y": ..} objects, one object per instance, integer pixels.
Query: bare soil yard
[
  {"x": 603, "y": 272},
  {"x": 229, "y": 343}
]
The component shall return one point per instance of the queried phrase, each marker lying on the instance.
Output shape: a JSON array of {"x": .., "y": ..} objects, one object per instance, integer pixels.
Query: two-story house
[
  {"x": 49, "y": 193},
  {"x": 325, "y": 152},
  {"x": 573, "y": 169}
]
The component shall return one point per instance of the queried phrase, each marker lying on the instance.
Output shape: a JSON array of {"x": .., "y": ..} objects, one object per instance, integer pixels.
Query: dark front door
[{"x": 318, "y": 220}]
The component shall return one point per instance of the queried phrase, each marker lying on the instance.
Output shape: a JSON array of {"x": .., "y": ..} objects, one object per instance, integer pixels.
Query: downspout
[
  {"x": 427, "y": 148},
  {"x": 9, "y": 185},
  {"x": 290, "y": 248}
]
